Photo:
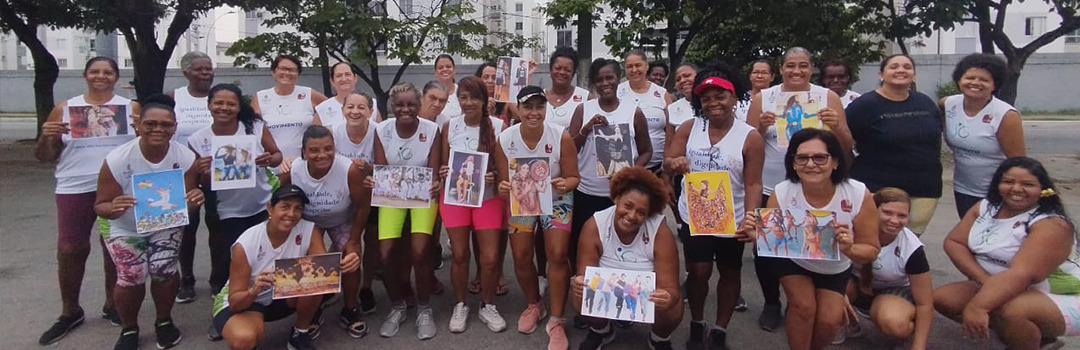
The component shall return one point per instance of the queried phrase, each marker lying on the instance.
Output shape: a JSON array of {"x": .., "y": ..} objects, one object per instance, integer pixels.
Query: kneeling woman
[
  {"x": 242, "y": 316},
  {"x": 632, "y": 236},
  {"x": 1018, "y": 250}
]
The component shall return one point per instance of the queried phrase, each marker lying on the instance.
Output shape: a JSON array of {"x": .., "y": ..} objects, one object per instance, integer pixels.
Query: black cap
[
  {"x": 286, "y": 191},
  {"x": 529, "y": 92}
]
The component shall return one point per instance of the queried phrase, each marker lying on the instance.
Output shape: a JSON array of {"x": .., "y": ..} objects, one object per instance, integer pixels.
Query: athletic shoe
[
  {"x": 315, "y": 329},
  {"x": 697, "y": 336},
  {"x": 542, "y": 283},
  {"x": 557, "y": 335},
  {"x": 529, "y": 318},
  {"x": 851, "y": 330},
  {"x": 1051, "y": 343},
  {"x": 300, "y": 341},
  {"x": 425, "y": 323},
  {"x": 460, "y": 318},
  {"x": 717, "y": 340},
  {"x": 490, "y": 316},
  {"x": 740, "y": 304},
  {"x": 212, "y": 333},
  {"x": 63, "y": 325},
  {"x": 167, "y": 334},
  {"x": 129, "y": 340},
  {"x": 769, "y": 319},
  {"x": 392, "y": 324},
  {"x": 659, "y": 345},
  {"x": 623, "y": 323},
  {"x": 112, "y": 315},
  {"x": 596, "y": 340},
  {"x": 186, "y": 294},
  {"x": 351, "y": 322},
  {"x": 368, "y": 305}
]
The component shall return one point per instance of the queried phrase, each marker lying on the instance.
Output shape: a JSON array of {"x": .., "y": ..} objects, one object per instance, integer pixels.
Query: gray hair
[
  {"x": 403, "y": 87},
  {"x": 189, "y": 58},
  {"x": 636, "y": 52},
  {"x": 366, "y": 96},
  {"x": 798, "y": 50},
  {"x": 434, "y": 84}
]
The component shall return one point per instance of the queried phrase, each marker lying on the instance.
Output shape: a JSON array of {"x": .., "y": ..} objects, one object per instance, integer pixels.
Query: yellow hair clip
[{"x": 1047, "y": 192}]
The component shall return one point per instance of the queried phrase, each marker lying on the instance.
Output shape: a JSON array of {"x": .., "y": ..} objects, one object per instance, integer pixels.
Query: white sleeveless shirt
[
  {"x": 363, "y": 150},
  {"x": 460, "y": 136},
  {"x": 890, "y": 267},
  {"x": 549, "y": 146},
  {"x": 261, "y": 254},
  {"x": 995, "y": 242},
  {"x": 725, "y": 155},
  {"x": 773, "y": 170},
  {"x": 80, "y": 160},
  {"x": 561, "y": 115},
  {"x": 287, "y": 117},
  {"x": 331, "y": 116},
  {"x": 848, "y": 97},
  {"x": 636, "y": 256},
  {"x": 412, "y": 151},
  {"x": 127, "y": 160},
  {"x": 679, "y": 112},
  {"x": 624, "y": 114},
  {"x": 192, "y": 114},
  {"x": 240, "y": 202},
  {"x": 846, "y": 203},
  {"x": 453, "y": 107},
  {"x": 654, "y": 106},
  {"x": 330, "y": 205},
  {"x": 974, "y": 142}
]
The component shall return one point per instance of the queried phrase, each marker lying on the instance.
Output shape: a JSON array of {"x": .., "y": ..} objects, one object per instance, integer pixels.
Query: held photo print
[
  {"x": 530, "y": 187},
  {"x": 401, "y": 186},
  {"x": 709, "y": 203},
  {"x": 796, "y": 111},
  {"x": 465, "y": 182},
  {"x": 233, "y": 162},
  {"x": 511, "y": 74},
  {"x": 98, "y": 121},
  {"x": 159, "y": 200},
  {"x": 307, "y": 275},
  {"x": 618, "y": 294},
  {"x": 797, "y": 234},
  {"x": 613, "y": 148}
]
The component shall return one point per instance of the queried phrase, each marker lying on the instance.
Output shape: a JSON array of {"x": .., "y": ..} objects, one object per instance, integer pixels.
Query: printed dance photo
[
  {"x": 796, "y": 111},
  {"x": 618, "y": 294},
  {"x": 613, "y": 148},
  {"x": 465, "y": 183},
  {"x": 709, "y": 203},
  {"x": 810, "y": 234},
  {"x": 98, "y": 121},
  {"x": 401, "y": 186},
  {"x": 308, "y": 275},
  {"x": 233, "y": 164},
  {"x": 159, "y": 200},
  {"x": 530, "y": 187}
]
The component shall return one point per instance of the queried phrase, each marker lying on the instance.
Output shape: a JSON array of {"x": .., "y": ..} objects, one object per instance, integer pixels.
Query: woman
[
  {"x": 411, "y": 141},
  {"x": 325, "y": 177},
  {"x": 131, "y": 250},
  {"x": 593, "y": 192},
  {"x": 836, "y": 76},
  {"x": 1009, "y": 245},
  {"x": 434, "y": 102},
  {"x": 535, "y": 138},
  {"x": 650, "y": 98},
  {"x": 505, "y": 112},
  {"x": 897, "y": 285},
  {"x": 445, "y": 72},
  {"x": 761, "y": 78},
  {"x": 287, "y": 108},
  {"x": 343, "y": 80},
  {"x": 897, "y": 132},
  {"x": 715, "y": 141},
  {"x": 817, "y": 180},
  {"x": 631, "y": 235},
  {"x": 77, "y": 168},
  {"x": 658, "y": 73},
  {"x": 680, "y": 110},
  {"x": 563, "y": 97},
  {"x": 241, "y": 317},
  {"x": 499, "y": 110},
  {"x": 981, "y": 129}
]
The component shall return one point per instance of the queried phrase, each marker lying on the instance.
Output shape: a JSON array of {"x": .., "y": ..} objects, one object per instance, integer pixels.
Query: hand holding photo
[
  {"x": 530, "y": 187},
  {"x": 401, "y": 186},
  {"x": 307, "y": 275},
  {"x": 796, "y": 111},
  {"x": 465, "y": 183},
  {"x": 98, "y": 121},
  {"x": 159, "y": 200},
  {"x": 511, "y": 74},
  {"x": 709, "y": 203},
  {"x": 613, "y": 148},
  {"x": 233, "y": 162},
  {"x": 807, "y": 234},
  {"x": 618, "y": 294}
]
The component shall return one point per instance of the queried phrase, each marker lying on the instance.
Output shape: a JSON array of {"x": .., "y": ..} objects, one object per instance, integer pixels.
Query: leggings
[
  {"x": 584, "y": 207},
  {"x": 75, "y": 220},
  {"x": 221, "y": 241}
]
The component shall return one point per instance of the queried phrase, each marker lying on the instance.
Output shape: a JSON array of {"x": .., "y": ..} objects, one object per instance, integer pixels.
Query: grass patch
[{"x": 1067, "y": 112}]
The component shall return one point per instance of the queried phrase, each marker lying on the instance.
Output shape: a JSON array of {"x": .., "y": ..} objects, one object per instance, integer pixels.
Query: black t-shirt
[{"x": 898, "y": 143}]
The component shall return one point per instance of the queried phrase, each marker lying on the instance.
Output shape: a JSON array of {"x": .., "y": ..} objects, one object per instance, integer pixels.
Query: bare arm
[
  {"x": 641, "y": 138},
  {"x": 866, "y": 246},
  {"x": 1048, "y": 244},
  {"x": 675, "y": 161},
  {"x": 666, "y": 265},
  {"x": 922, "y": 290},
  {"x": 843, "y": 134},
  {"x": 568, "y": 163},
  {"x": 575, "y": 128},
  {"x": 242, "y": 293},
  {"x": 255, "y": 104},
  {"x": 753, "y": 114},
  {"x": 1010, "y": 135},
  {"x": 111, "y": 203},
  {"x": 270, "y": 147},
  {"x": 49, "y": 144},
  {"x": 956, "y": 247}
]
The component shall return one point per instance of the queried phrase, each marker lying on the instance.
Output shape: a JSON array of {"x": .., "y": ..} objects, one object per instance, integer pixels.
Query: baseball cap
[
  {"x": 714, "y": 82},
  {"x": 286, "y": 191},
  {"x": 529, "y": 92}
]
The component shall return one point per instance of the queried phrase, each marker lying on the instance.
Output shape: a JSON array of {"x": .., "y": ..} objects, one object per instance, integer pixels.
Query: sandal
[
  {"x": 474, "y": 286},
  {"x": 503, "y": 287}
]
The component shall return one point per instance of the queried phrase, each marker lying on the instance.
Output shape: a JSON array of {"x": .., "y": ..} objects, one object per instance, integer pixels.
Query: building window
[
  {"x": 249, "y": 14},
  {"x": 519, "y": 7},
  {"x": 519, "y": 26},
  {"x": 62, "y": 63},
  {"x": 1073, "y": 37},
  {"x": 128, "y": 63},
  {"x": 407, "y": 7},
  {"x": 564, "y": 38},
  {"x": 61, "y": 43},
  {"x": 1034, "y": 26}
]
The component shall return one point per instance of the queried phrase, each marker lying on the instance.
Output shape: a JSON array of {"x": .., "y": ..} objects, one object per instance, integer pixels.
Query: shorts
[
  {"x": 392, "y": 220},
  {"x": 707, "y": 249},
  {"x": 138, "y": 257},
  {"x": 562, "y": 209},
  {"x": 837, "y": 283},
  {"x": 964, "y": 203},
  {"x": 922, "y": 210},
  {"x": 278, "y": 309},
  {"x": 75, "y": 219},
  {"x": 903, "y": 292},
  {"x": 339, "y": 236},
  {"x": 1070, "y": 310},
  {"x": 487, "y": 217}
]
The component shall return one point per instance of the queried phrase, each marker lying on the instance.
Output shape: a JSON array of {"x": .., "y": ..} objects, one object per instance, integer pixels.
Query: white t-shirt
[
  {"x": 80, "y": 160},
  {"x": 639, "y": 255},
  {"x": 127, "y": 160},
  {"x": 240, "y": 202},
  {"x": 409, "y": 151},
  {"x": 848, "y": 97},
  {"x": 330, "y": 205},
  {"x": 890, "y": 267},
  {"x": 742, "y": 108},
  {"x": 261, "y": 255},
  {"x": 846, "y": 203},
  {"x": 461, "y": 136},
  {"x": 287, "y": 117},
  {"x": 773, "y": 170},
  {"x": 192, "y": 114},
  {"x": 363, "y": 150},
  {"x": 679, "y": 112},
  {"x": 725, "y": 155},
  {"x": 995, "y": 242},
  {"x": 561, "y": 115},
  {"x": 974, "y": 142},
  {"x": 623, "y": 115},
  {"x": 330, "y": 113},
  {"x": 654, "y": 106}
]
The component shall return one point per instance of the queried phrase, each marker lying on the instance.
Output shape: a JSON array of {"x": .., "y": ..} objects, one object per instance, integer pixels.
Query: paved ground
[{"x": 29, "y": 300}]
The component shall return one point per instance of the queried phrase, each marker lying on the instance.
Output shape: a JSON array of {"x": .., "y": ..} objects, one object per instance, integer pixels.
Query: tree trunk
[
  {"x": 46, "y": 71},
  {"x": 981, "y": 10},
  {"x": 584, "y": 47},
  {"x": 1007, "y": 90},
  {"x": 150, "y": 66},
  {"x": 324, "y": 67},
  {"x": 674, "y": 58}
]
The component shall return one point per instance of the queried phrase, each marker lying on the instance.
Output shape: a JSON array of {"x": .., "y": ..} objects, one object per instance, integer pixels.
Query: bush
[{"x": 948, "y": 88}]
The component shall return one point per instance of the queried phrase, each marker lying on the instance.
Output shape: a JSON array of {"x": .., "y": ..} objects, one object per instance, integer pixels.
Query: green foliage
[{"x": 946, "y": 88}]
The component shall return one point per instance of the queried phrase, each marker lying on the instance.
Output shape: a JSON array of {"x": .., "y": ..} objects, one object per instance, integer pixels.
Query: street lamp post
[{"x": 210, "y": 30}]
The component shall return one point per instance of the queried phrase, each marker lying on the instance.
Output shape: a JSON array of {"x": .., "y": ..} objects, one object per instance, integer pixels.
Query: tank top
[
  {"x": 192, "y": 114},
  {"x": 467, "y": 138},
  {"x": 654, "y": 106},
  {"x": 287, "y": 117},
  {"x": 846, "y": 203},
  {"x": 847, "y": 98},
  {"x": 742, "y": 108},
  {"x": 725, "y": 155},
  {"x": 995, "y": 242},
  {"x": 453, "y": 107},
  {"x": 345, "y": 146},
  {"x": 561, "y": 115},
  {"x": 679, "y": 112},
  {"x": 624, "y": 114},
  {"x": 127, "y": 160},
  {"x": 890, "y": 267},
  {"x": 636, "y": 256},
  {"x": 549, "y": 146},
  {"x": 974, "y": 142},
  {"x": 773, "y": 170},
  {"x": 330, "y": 204},
  {"x": 411, "y": 151},
  {"x": 241, "y": 202},
  {"x": 261, "y": 255},
  {"x": 330, "y": 113},
  {"x": 80, "y": 160}
]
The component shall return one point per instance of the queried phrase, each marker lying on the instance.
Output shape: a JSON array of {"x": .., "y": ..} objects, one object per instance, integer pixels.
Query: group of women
[{"x": 875, "y": 165}]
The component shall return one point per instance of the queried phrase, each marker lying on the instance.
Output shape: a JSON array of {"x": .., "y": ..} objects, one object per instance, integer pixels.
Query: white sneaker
[
  {"x": 490, "y": 316},
  {"x": 425, "y": 324},
  {"x": 393, "y": 321},
  {"x": 460, "y": 318},
  {"x": 543, "y": 284}
]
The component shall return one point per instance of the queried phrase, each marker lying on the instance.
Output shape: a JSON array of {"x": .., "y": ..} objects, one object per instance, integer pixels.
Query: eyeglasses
[
  {"x": 819, "y": 159},
  {"x": 151, "y": 125},
  {"x": 760, "y": 73}
]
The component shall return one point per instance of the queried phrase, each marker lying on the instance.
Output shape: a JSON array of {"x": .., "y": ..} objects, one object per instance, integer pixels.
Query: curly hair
[
  {"x": 600, "y": 63},
  {"x": 639, "y": 179}
]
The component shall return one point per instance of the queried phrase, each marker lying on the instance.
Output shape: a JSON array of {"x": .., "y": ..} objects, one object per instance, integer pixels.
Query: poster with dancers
[
  {"x": 401, "y": 186},
  {"x": 98, "y": 121},
  {"x": 511, "y": 74},
  {"x": 159, "y": 200},
  {"x": 465, "y": 183},
  {"x": 709, "y": 203},
  {"x": 307, "y": 275},
  {"x": 805, "y": 234},
  {"x": 618, "y": 294},
  {"x": 530, "y": 187},
  {"x": 233, "y": 162},
  {"x": 613, "y": 148},
  {"x": 797, "y": 110}
]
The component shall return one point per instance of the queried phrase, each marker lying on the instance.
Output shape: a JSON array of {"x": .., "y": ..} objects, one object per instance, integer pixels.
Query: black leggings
[
  {"x": 584, "y": 207},
  {"x": 767, "y": 274},
  {"x": 221, "y": 241}
]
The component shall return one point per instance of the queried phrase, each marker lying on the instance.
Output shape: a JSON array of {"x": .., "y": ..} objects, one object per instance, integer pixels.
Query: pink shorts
[
  {"x": 1070, "y": 310},
  {"x": 490, "y": 215}
]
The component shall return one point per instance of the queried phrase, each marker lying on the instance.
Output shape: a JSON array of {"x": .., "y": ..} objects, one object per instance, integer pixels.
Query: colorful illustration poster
[
  {"x": 511, "y": 74},
  {"x": 618, "y": 294},
  {"x": 530, "y": 186},
  {"x": 233, "y": 162},
  {"x": 800, "y": 234},
  {"x": 98, "y": 121},
  {"x": 159, "y": 200},
  {"x": 709, "y": 203},
  {"x": 613, "y": 148},
  {"x": 401, "y": 186},
  {"x": 465, "y": 183},
  {"x": 307, "y": 275},
  {"x": 796, "y": 111}
]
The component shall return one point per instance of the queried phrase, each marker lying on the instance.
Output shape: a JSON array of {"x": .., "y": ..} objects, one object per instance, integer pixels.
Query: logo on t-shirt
[
  {"x": 423, "y": 137},
  {"x": 656, "y": 93},
  {"x": 299, "y": 239},
  {"x": 577, "y": 98},
  {"x": 1017, "y": 224},
  {"x": 547, "y": 148},
  {"x": 845, "y": 205},
  {"x": 987, "y": 118},
  {"x": 260, "y": 254},
  {"x": 176, "y": 165},
  {"x": 896, "y": 251},
  {"x": 300, "y": 96}
]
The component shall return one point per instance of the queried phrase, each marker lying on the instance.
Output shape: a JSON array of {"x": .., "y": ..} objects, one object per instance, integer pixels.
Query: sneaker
[
  {"x": 596, "y": 340},
  {"x": 543, "y": 284},
  {"x": 212, "y": 333},
  {"x": 659, "y": 345},
  {"x": 425, "y": 323},
  {"x": 769, "y": 319},
  {"x": 112, "y": 315},
  {"x": 393, "y": 321},
  {"x": 368, "y": 305},
  {"x": 557, "y": 335},
  {"x": 459, "y": 319},
  {"x": 740, "y": 304},
  {"x": 167, "y": 334},
  {"x": 1051, "y": 343},
  {"x": 300, "y": 340},
  {"x": 186, "y": 295},
  {"x": 623, "y": 323},
  {"x": 529, "y": 318},
  {"x": 490, "y": 316},
  {"x": 351, "y": 322},
  {"x": 63, "y": 325},
  {"x": 717, "y": 340},
  {"x": 129, "y": 340},
  {"x": 851, "y": 330},
  {"x": 697, "y": 336},
  {"x": 315, "y": 329}
]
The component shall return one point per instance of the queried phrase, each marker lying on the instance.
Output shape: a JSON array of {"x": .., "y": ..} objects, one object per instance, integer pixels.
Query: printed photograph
[
  {"x": 806, "y": 234},
  {"x": 159, "y": 200},
  {"x": 401, "y": 186},
  {"x": 709, "y": 203},
  {"x": 530, "y": 187},
  {"x": 465, "y": 183},
  {"x": 308, "y": 275},
  {"x": 796, "y": 111},
  {"x": 233, "y": 162},
  {"x": 98, "y": 121},
  {"x": 613, "y": 148},
  {"x": 618, "y": 294}
]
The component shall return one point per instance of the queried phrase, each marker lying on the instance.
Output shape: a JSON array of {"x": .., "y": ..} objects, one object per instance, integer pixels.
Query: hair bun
[{"x": 161, "y": 99}]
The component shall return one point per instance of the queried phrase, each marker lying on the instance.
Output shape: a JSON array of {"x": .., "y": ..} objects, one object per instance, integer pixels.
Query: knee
[
  {"x": 242, "y": 338},
  {"x": 488, "y": 259},
  {"x": 802, "y": 308},
  {"x": 948, "y": 305},
  {"x": 558, "y": 256},
  {"x": 420, "y": 258},
  {"x": 700, "y": 271},
  {"x": 895, "y": 325},
  {"x": 74, "y": 248}
]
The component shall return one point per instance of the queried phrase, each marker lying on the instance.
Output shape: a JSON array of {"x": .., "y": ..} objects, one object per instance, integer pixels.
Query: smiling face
[
  {"x": 405, "y": 105},
  {"x": 562, "y": 71},
  {"x": 285, "y": 214},
  {"x": 100, "y": 76},
  {"x": 343, "y": 79},
  {"x": 201, "y": 74},
  {"x": 892, "y": 217},
  {"x": 684, "y": 80},
  {"x": 636, "y": 68},
  {"x": 286, "y": 73},
  {"x": 796, "y": 70},
  {"x": 606, "y": 81},
  {"x": 761, "y": 75},
  {"x": 224, "y": 106},
  {"x": 488, "y": 76},
  {"x": 472, "y": 106},
  {"x": 977, "y": 84},
  {"x": 658, "y": 75},
  {"x": 811, "y": 172},
  {"x": 157, "y": 126},
  {"x": 445, "y": 70},
  {"x": 1019, "y": 189},
  {"x": 356, "y": 108},
  {"x": 899, "y": 72},
  {"x": 836, "y": 78},
  {"x": 319, "y": 153},
  {"x": 717, "y": 104},
  {"x": 631, "y": 210},
  {"x": 532, "y": 112}
]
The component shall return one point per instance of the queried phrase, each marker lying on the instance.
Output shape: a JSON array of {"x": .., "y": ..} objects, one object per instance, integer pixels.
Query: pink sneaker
[
  {"x": 530, "y": 317},
  {"x": 557, "y": 335}
]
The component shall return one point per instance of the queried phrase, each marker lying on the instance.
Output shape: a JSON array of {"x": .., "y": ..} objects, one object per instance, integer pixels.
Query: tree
[
  {"x": 362, "y": 33},
  {"x": 918, "y": 18}
]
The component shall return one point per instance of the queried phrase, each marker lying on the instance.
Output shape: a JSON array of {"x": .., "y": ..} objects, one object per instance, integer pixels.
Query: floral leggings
[{"x": 138, "y": 257}]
